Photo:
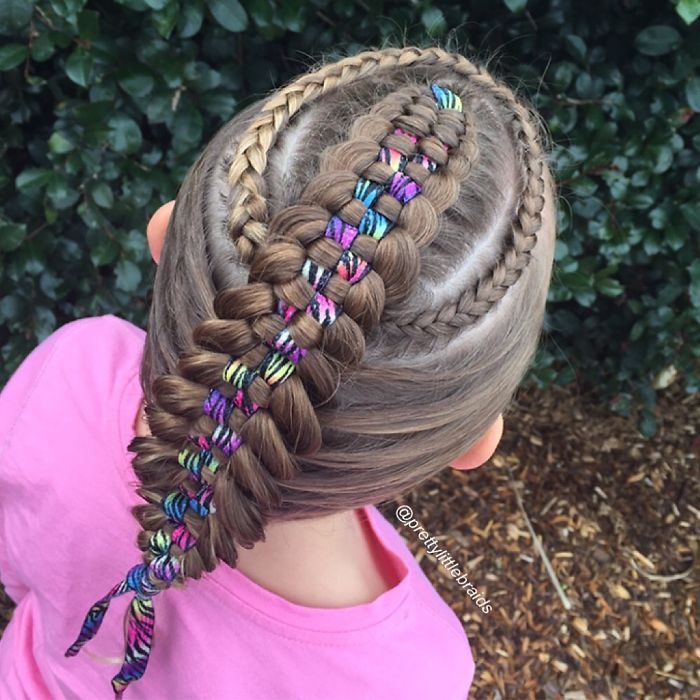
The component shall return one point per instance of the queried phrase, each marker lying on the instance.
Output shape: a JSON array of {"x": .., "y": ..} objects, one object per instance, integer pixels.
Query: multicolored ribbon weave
[{"x": 278, "y": 365}]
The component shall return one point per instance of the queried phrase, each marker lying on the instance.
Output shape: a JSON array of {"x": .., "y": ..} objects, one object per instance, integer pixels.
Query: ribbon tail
[
  {"x": 94, "y": 618},
  {"x": 142, "y": 617}
]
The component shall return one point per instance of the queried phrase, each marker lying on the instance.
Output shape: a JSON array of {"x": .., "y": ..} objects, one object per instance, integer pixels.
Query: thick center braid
[
  {"x": 423, "y": 147},
  {"x": 248, "y": 216}
]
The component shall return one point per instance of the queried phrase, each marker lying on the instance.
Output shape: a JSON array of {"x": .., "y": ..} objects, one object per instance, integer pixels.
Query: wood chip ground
[{"x": 618, "y": 518}]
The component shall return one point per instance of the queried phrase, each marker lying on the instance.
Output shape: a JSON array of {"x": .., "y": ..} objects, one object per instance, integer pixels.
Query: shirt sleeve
[
  {"x": 18, "y": 389},
  {"x": 14, "y": 397}
]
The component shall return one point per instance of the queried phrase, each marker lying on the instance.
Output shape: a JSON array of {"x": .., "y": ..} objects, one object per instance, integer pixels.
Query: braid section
[
  {"x": 452, "y": 318},
  {"x": 248, "y": 216},
  {"x": 248, "y": 219}
]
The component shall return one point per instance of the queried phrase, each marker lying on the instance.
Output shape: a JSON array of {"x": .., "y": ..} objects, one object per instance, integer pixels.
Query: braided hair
[{"x": 248, "y": 419}]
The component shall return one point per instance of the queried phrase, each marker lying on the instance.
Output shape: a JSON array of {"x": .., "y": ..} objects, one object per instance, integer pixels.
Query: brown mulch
[{"x": 618, "y": 518}]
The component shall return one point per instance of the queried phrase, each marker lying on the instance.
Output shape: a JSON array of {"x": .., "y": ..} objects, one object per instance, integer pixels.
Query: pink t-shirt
[{"x": 67, "y": 536}]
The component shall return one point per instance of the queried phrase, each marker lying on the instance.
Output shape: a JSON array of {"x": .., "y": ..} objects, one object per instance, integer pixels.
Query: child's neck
[{"x": 329, "y": 562}]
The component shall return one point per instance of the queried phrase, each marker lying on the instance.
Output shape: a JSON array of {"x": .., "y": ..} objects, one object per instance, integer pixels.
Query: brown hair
[{"x": 430, "y": 346}]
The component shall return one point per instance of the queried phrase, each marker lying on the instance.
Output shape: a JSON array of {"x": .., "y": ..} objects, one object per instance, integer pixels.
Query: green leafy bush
[{"x": 106, "y": 104}]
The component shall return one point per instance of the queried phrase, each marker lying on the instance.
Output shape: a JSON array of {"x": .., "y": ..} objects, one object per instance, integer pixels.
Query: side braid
[
  {"x": 453, "y": 317},
  {"x": 410, "y": 144}
]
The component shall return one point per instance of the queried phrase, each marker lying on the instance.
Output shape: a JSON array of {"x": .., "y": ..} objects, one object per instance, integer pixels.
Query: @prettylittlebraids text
[{"x": 405, "y": 516}]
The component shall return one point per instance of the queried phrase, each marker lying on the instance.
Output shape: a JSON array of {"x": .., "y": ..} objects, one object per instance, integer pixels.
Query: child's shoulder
[
  {"x": 96, "y": 329},
  {"x": 92, "y": 343},
  {"x": 81, "y": 337},
  {"x": 84, "y": 362},
  {"x": 431, "y": 602},
  {"x": 85, "y": 350}
]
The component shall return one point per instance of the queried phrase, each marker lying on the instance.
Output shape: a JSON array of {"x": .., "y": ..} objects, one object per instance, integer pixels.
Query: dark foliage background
[{"x": 106, "y": 103}]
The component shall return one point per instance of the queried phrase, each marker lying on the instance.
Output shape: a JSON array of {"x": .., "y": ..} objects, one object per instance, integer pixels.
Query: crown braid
[
  {"x": 247, "y": 220},
  {"x": 303, "y": 301}
]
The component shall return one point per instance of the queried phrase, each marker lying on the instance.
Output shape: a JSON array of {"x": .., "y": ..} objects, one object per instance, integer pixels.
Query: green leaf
[
  {"x": 561, "y": 250},
  {"x": 128, "y": 276},
  {"x": 11, "y": 307},
  {"x": 694, "y": 287},
  {"x": 159, "y": 108},
  {"x": 434, "y": 21},
  {"x": 61, "y": 194},
  {"x": 156, "y": 4},
  {"x": 102, "y": 194},
  {"x": 584, "y": 186},
  {"x": 563, "y": 74},
  {"x": 515, "y": 5},
  {"x": 262, "y": 12},
  {"x": 658, "y": 217},
  {"x": 44, "y": 322},
  {"x": 138, "y": 83},
  {"x": 48, "y": 283},
  {"x": 229, "y": 14},
  {"x": 105, "y": 252},
  {"x": 58, "y": 143},
  {"x": 662, "y": 158},
  {"x": 50, "y": 213},
  {"x": 90, "y": 214},
  {"x": 33, "y": 177},
  {"x": 291, "y": 15},
  {"x": 135, "y": 244},
  {"x": 585, "y": 297},
  {"x": 691, "y": 213},
  {"x": 68, "y": 9},
  {"x": 190, "y": 20},
  {"x": 577, "y": 281},
  {"x": 125, "y": 134},
  {"x": 637, "y": 330},
  {"x": 675, "y": 236},
  {"x": 647, "y": 424},
  {"x": 688, "y": 10},
  {"x": 188, "y": 125},
  {"x": 14, "y": 16},
  {"x": 221, "y": 104},
  {"x": 11, "y": 236},
  {"x": 80, "y": 67},
  {"x": 622, "y": 404},
  {"x": 166, "y": 19},
  {"x": 657, "y": 40},
  {"x": 576, "y": 46},
  {"x": 692, "y": 92},
  {"x": 588, "y": 87},
  {"x": 11, "y": 55},
  {"x": 42, "y": 48},
  {"x": 608, "y": 286}
]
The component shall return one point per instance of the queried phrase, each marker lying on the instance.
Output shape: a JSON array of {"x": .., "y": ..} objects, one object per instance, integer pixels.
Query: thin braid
[
  {"x": 413, "y": 144},
  {"x": 453, "y": 317},
  {"x": 248, "y": 216}
]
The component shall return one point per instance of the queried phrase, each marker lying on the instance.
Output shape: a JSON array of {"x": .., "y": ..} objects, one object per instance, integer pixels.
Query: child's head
[
  {"x": 395, "y": 374},
  {"x": 430, "y": 345}
]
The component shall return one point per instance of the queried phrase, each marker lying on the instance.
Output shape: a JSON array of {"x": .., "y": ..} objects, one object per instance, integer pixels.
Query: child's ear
[
  {"x": 483, "y": 450},
  {"x": 157, "y": 226}
]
